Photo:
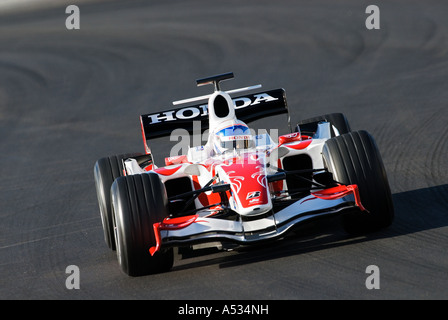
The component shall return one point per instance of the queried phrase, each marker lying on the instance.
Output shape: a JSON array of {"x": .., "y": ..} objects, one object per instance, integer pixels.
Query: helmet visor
[{"x": 240, "y": 142}]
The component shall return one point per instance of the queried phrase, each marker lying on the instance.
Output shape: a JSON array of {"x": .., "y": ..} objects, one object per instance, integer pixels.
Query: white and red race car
[{"x": 239, "y": 187}]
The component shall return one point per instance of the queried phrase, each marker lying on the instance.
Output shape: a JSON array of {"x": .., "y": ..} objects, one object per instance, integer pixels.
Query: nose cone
[{"x": 250, "y": 190}]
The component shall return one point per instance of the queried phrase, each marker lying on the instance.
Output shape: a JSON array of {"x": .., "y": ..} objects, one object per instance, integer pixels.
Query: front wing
[{"x": 195, "y": 229}]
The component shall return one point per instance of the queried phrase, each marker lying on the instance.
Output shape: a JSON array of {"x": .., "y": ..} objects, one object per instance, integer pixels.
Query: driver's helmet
[{"x": 233, "y": 136}]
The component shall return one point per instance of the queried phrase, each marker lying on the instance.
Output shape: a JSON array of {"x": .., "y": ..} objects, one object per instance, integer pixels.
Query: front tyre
[
  {"x": 354, "y": 158},
  {"x": 139, "y": 201}
]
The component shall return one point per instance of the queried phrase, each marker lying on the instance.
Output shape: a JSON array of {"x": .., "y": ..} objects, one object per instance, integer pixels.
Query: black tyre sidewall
[
  {"x": 354, "y": 158},
  {"x": 139, "y": 201},
  {"x": 106, "y": 170},
  {"x": 104, "y": 178}
]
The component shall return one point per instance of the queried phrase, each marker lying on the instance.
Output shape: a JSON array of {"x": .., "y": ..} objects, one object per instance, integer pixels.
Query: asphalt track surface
[{"x": 69, "y": 97}]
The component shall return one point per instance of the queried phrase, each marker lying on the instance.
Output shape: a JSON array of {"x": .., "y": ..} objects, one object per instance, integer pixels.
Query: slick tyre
[
  {"x": 354, "y": 158},
  {"x": 338, "y": 121},
  {"x": 106, "y": 170},
  {"x": 139, "y": 201}
]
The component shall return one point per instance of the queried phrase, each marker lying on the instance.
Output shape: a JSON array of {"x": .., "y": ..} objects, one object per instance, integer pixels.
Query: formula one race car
[{"x": 239, "y": 188}]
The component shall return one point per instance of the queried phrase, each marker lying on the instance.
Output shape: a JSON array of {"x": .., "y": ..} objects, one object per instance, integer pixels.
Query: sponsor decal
[
  {"x": 253, "y": 194},
  {"x": 202, "y": 110}
]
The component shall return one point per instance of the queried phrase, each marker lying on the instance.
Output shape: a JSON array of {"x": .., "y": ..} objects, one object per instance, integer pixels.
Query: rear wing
[{"x": 248, "y": 108}]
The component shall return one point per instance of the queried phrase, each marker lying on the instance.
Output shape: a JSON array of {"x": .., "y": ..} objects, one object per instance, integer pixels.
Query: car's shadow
[{"x": 415, "y": 211}]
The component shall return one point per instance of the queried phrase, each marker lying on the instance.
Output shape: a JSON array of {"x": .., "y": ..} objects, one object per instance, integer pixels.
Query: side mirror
[{"x": 216, "y": 188}]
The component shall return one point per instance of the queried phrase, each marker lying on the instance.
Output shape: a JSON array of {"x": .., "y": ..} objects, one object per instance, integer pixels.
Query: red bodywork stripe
[
  {"x": 299, "y": 146},
  {"x": 167, "y": 171},
  {"x": 340, "y": 192},
  {"x": 171, "y": 224}
]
